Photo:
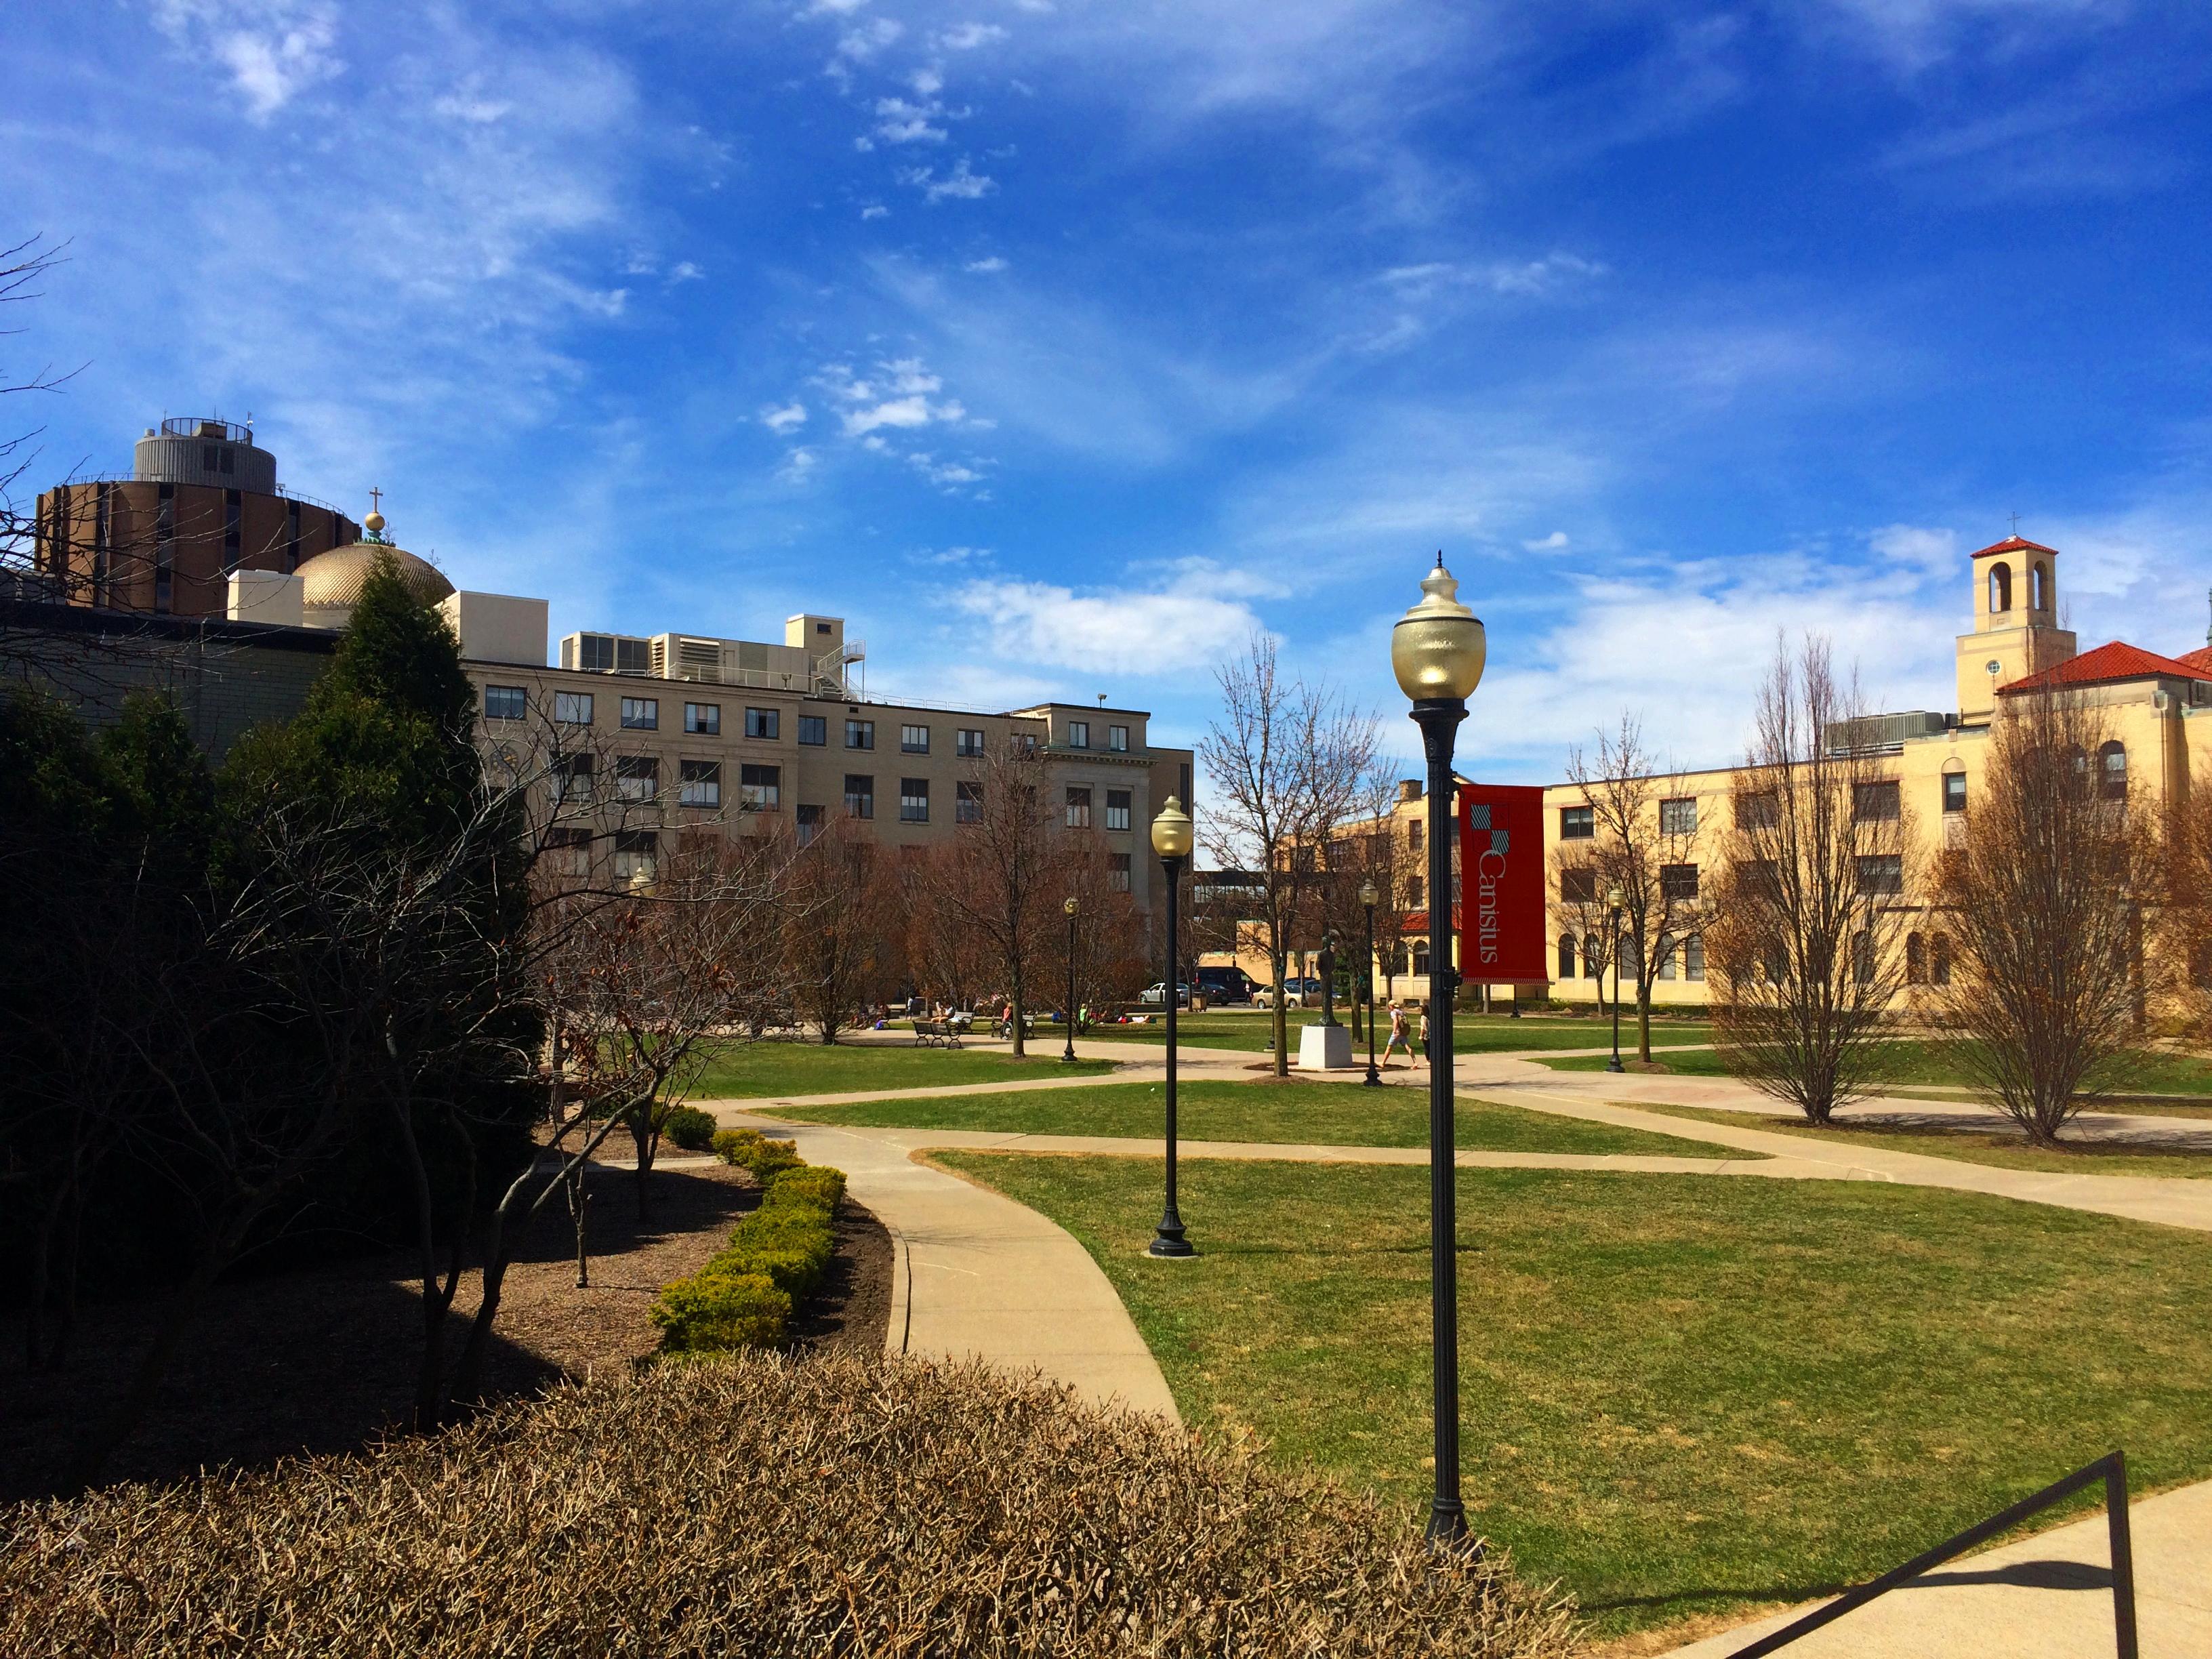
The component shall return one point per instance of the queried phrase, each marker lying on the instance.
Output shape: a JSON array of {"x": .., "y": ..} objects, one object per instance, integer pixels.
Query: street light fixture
[
  {"x": 1613, "y": 908},
  {"x": 1436, "y": 651},
  {"x": 1073, "y": 908},
  {"x": 1171, "y": 840},
  {"x": 1368, "y": 895}
]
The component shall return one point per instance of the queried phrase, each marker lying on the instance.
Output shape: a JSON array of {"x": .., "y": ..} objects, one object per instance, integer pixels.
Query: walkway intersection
[{"x": 977, "y": 1274}]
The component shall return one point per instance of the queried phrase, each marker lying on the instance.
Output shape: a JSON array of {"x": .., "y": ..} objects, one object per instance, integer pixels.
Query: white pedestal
[{"x": 1325, "y": 1049}]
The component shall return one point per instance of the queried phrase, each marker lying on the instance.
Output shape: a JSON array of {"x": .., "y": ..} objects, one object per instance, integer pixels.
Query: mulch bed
[{"x": 323, "y": 1359}]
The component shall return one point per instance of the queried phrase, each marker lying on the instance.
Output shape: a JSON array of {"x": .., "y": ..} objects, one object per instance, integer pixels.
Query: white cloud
[
  {"x": 898, "y": 395},
  {"x": 875, "y": 210},
  {"x": 1925, "y": 552},
  {"x": 949, "y": 475},
  {"x": 1178, "y": 629},
  {"x": 959, "y": 185},
  {"x": 862, "y": 44},
  {"x": 986, "y": 267},
  {"x": 787, "y": 419},
  {"x": 837, "y": 8},
  {"x": 966, "y": 37},
  {"x": 798, "y": 466},
  {"x": 1513, "y": 277},
  {"x": 1554, "y": 542},
  {"x": 274, "y": 49},
  {"x": 900, "y": 122},
  {"x": 684, "y": 272}
]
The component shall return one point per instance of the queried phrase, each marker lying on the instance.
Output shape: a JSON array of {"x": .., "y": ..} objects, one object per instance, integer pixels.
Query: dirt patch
[{"x": 324, "y": 1359}]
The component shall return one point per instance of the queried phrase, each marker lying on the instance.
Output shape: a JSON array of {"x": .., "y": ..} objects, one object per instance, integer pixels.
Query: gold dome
[{"x": 333, "y": 580}]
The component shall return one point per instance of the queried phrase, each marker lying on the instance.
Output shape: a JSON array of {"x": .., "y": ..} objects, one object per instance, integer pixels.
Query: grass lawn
[
  {"x": 1471, "y": 1033},
  {"x": 1928, "y": 1063},
  {"x": 1682, "y": 1394},
  {"x": 745, "y": 1071},
  {"x": 1317, "y": 1114},
  {"x": 1972, "y": 1142}
]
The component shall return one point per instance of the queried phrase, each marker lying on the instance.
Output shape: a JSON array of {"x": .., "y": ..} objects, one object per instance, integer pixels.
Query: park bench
[{"x": 940, "y": 1032}]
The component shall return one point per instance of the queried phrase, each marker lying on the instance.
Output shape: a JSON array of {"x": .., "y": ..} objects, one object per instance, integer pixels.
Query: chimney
[{"x": 1409, "y": 789}]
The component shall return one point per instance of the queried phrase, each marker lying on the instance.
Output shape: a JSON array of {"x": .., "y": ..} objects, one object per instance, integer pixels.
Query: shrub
[
  {"x": 814, "y": 1184},
  {"x": 771, "y": 1159},
  {"x": 935, "y": 1508},
  {"x": 690, "y": 1128},
  {"x": 730, "y": 1145},
  {"x": 711, "y": 1312}
]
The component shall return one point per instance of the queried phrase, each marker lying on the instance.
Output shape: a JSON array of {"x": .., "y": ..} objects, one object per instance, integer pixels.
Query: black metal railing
[{"x": 2112, "y": 1469}]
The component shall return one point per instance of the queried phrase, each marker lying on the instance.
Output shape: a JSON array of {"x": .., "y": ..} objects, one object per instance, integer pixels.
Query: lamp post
[
  {"x": 1071, "y": 907},
  {"x": 1367, "y": 897},
  {"x": 1612, "y": 910},
  {"x": 1171, "y": 840},
  {"x": 1436, "y": 652}
]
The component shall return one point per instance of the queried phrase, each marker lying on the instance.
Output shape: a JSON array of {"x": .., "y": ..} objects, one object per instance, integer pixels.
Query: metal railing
[{"x": 2112, "y": 1469}]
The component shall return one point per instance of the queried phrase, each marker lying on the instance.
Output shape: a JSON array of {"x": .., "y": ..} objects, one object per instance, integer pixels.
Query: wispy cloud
[
  {"x": 959, "y": 185},
  {"x": 986, "y": 266},
  {"x": 1176, "y": 629},
  {"x": 274, "y": 50},
  {"x": 787, "y": 418},
  {"x": 966, "y": 37}
]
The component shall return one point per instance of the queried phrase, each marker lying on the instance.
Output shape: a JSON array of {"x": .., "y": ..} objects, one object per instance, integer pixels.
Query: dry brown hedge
[{"x": 760, "y": 1506}]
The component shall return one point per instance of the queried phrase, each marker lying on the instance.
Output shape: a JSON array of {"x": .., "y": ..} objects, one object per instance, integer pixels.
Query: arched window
[
  {"x": 1567, "y": 956},
  {"x": 2000, "y": 588},
  {"x": 1940, "y": 959},
  {"x": 1693, "y": 957},
  {"x": 2112, "y": 771},
  {"x": 1593, "y": 957},
  {"x": 1665, "y": 954},
  {"x": 1421, "y": 959},
  {"x": 2039, "y": 587},
  {"x": 1915, "y": 959}
]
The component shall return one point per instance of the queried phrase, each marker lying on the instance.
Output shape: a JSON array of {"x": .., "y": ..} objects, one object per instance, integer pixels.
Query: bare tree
[
  {"x": 1644, "y": 843},
  {"x": 1112, "y": 964},
  {"x": 1808, "y": 945},
  {"x": 2045, "y": 893},
  {"x": 1001, "y": 877},
  {"x": 1287, "y": 760},
  {"x": 846, "y": 911}
]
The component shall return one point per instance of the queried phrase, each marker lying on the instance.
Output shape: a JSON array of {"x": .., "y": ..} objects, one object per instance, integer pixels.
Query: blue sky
[{"x": 1060, "y": 343}]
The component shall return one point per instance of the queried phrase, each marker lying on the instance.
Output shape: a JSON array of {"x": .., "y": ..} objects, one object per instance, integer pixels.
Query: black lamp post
[
  {"x": 1171, "y": 840},
  {"x": 1613, "y": 908},
  {"x": 1069, "y": 1056},
  {"x": 1436, "y": 652},
  {"x": 1367, "y": 897}
]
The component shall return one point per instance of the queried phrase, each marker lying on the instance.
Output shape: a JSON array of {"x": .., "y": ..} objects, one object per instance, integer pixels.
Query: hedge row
[
  {"x": 757, "y": 1506},
  {"x": 744, "y": 1294}
]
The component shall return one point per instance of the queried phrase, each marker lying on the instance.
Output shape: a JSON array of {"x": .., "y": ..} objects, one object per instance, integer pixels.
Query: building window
[
  {"x": 1567, "y": 956},
  {"x": 1420, "y": 957},
  {"x": 505, "y": 702},
  {"x": 1117, "y": 809},
  {"x": 810, "y": 824},
  {"x": 2112, "y": 772},
  {"x": 569, "y": 852},
  {"x": 1954, "y": 791},
  {"x": 1915, "y": 959},
  {"x": 572, "y": 708},
  {"x": 914, "y": 740},
  {"x": 1862, "y": 958},
  {"x": 760, "y": 788},
  {"x": 1693, "y": 957},
  {"x": 1874, "y": 803},
  {"x": 1679, "y": 817},
  {"x": 1939, "y": 959},
  {"x": 1119, "y": 872},
  {"x": 1412, "y": 835},
  {"x": 813, "y": 730},
  {"x": 1678, "y": 883},
  {"x": 1881, "y": 874},
  {"x": 1117, "y": 739},
  {"x": 1022, "y": 743},
  {"x": 1665, "y": 959},
  {"x": 1576, "y": 823},
  {"x": 914, "y": 800},
  {"x": 1593, "y": 957},
  {"x": 859, "y": 734},
  {"x": 640, "y": 713},
  {"x": 2000, "y": 588},
  {"x": 1078, "y": 808},
  {"x": 1079, "y": 734},
  {"x": 1758, "y": 809},
  {"x": 572, "y": 777},
  {"x": 859, "y": 795},
  {"x": 764, "y": 723},
  {"x": 968, "y": 803},
  {"x": 1413, "y": 891},
  {"x": 1578, "y": 886},
  {"x": 637, "y": 777},
  {"x": 968, "y": 743},
  {"x": 637, "y": 855},
  {"x": 703, "y": 719},
  {"x": 699, "y": 783}
]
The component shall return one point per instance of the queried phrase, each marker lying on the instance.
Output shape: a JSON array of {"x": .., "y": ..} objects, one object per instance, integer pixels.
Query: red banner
[{"x": 1501, "y": 860}]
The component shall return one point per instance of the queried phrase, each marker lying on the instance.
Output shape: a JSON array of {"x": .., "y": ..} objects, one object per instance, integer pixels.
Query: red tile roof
[
  {"x": 2109, "y": 663},
  {"x": 2200, "y": 659},
  {"x": 2017, "y": 544}
]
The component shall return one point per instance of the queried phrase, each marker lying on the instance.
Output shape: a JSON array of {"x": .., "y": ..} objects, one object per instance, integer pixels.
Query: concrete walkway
[{"x": 2045, "y": 1597}]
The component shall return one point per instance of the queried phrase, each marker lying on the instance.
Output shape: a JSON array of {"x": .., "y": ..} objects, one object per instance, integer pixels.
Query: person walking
[
  {"x": 1400, "y": 1037},
  {"x": 1428, "y": 1051}
]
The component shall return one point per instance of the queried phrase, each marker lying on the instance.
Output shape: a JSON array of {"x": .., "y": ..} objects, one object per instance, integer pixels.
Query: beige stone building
[{"x": 2158, "y": 709}]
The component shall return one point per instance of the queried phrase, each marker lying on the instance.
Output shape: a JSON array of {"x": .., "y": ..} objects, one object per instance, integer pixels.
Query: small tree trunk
[
  {"x": 646, "y": 1140},
  {"x": 1279, "y": 961},
  {"x": 578, "y": 1198}
]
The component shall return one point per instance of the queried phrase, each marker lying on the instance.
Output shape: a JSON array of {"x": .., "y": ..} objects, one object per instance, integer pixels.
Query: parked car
[
  {"x": 1297, "y": 994},
  {"x": 1155, "y": 995},
  {"x": 1225, "y": 984}
]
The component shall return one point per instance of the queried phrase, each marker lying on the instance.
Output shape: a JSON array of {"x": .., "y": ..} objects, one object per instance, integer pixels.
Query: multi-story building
[
  {"x": 201, "y": 503},
  {"x": 2157, "y": 710}
]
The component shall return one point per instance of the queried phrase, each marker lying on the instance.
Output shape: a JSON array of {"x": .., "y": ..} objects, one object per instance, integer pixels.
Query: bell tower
[{"x": 2016, "y": 630}]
